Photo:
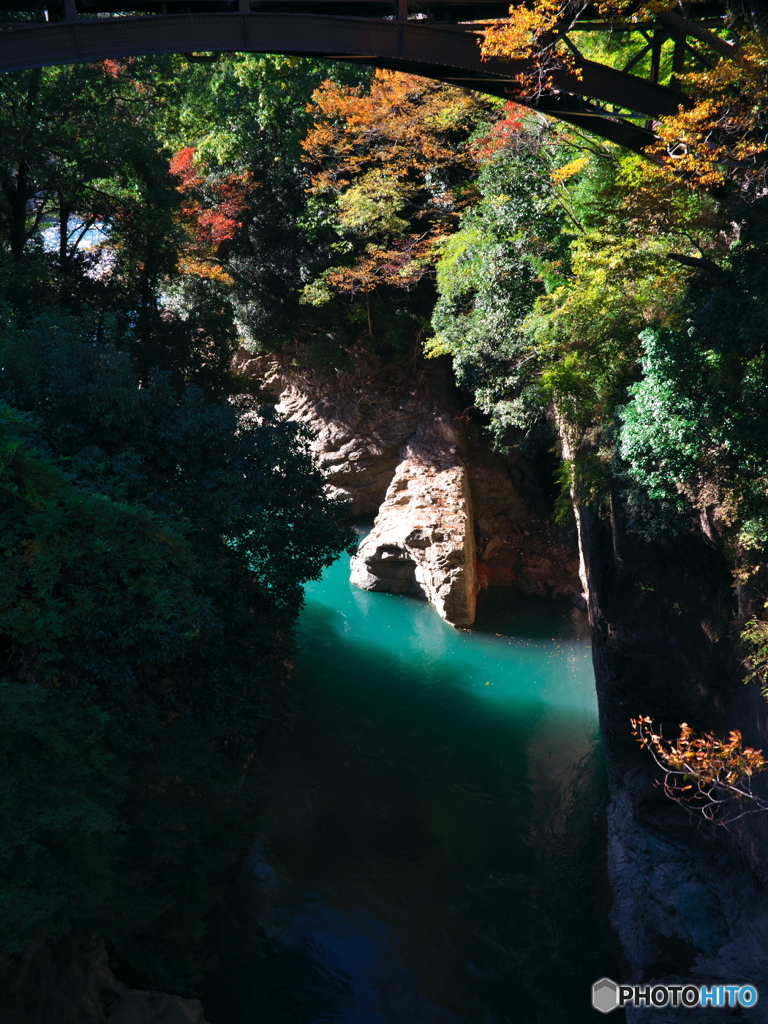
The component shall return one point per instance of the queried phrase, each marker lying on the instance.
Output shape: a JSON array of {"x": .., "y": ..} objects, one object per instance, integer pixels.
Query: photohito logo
[{"x": 607, "y": 995}]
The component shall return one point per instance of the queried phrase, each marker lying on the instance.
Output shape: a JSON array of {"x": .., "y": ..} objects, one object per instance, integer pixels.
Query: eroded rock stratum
[{"x": 452, "y": 516}]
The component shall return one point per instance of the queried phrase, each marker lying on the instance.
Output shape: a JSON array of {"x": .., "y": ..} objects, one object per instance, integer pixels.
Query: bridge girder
[{"x": 599, "y": 98}]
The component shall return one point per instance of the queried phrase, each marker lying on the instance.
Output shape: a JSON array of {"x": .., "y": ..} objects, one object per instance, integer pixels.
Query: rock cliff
[
  {"x": 72, "y": 985},
  {"x": 690, "y": 903},
  {"x": 453, "y": 517},
  {"x": 360, "y": 427}
]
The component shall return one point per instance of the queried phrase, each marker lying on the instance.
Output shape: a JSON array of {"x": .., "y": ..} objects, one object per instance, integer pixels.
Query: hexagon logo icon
[{"x": 605, "y": 995}]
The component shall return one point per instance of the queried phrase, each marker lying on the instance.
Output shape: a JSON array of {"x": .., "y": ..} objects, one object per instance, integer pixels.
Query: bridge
[{"x": 437, "y": 39}]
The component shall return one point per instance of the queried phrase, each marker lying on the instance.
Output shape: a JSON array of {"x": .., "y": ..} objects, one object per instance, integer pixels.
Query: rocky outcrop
[
  {"x": 110, "y": 1002},
  {"x": 359, "y": 427},
  {"x": 423, "y": 542},
  {"x": 454, "y": 517},
  {"x": 70, "y": 985}
]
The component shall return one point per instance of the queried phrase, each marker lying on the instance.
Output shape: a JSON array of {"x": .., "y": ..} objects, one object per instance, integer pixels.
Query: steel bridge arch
[{"x": 449, "y": 53}]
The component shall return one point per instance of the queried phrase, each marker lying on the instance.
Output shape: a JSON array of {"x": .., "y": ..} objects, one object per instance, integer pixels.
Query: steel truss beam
[{"x": 596, "y": 97}]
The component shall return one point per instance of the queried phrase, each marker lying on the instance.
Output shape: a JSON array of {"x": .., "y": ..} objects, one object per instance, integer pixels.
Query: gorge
[
  {"x": 684, "y": 907},
  {"x": 431, "y": 841},
  {"x": 380, "y": 461}
]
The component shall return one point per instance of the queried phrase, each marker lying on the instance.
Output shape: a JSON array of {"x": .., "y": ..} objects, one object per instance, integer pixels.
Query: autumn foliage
[
  {"x": 705, "y": 774},
  {"x": 530, "y": 33},
  {"x": 720, "y": 135},
  {"x": 723, "y": 134},
  {"x": 394, "y": 161},
  {"x": 501, "y": 134},
  {"x": 213, "y": 211}
]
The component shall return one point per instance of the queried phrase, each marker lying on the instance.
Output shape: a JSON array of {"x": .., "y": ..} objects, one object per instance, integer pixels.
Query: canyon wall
[
  {"x": 452, "y": 516},
  {"x": 689, "y": 898},
  {"x": 689, "y": 903}
]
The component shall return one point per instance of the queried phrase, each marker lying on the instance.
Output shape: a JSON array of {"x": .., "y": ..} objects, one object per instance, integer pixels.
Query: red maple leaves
[{"x": 214, "y": 210}]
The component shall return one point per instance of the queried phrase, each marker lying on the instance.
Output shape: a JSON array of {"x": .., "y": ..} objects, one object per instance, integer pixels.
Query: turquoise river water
[{"x": 431, "y": 847}]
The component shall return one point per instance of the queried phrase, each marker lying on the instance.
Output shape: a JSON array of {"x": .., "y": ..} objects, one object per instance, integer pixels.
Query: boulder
[
  {"x": 423, "y": 539},
  {"x": 107, "y": 1001}
]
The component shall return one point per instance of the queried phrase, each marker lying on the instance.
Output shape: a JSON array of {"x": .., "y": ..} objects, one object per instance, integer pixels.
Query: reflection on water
[{"x": 431, "y": 843}]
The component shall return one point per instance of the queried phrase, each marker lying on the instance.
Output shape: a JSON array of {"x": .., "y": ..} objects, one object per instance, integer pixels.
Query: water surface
[{"x": 430, "y": 850}]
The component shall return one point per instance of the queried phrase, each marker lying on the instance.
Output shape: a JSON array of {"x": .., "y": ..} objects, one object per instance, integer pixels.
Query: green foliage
[
  {"x": 157, "y": 531},
  {"x": 156, "y": 539},
  {"x": 754, "y": 639},
  {"x": 620, "y": 279},
  {"x": 93, "y": 592},
  {"x": 60, "y": 796},
  {"x": 695, "y": 432},
  {"x": 488, "y": 277},
  {"x": 586, "y": 329},
  {"x": 248, "y": 112},
  {"x": 661, "y": 438}
]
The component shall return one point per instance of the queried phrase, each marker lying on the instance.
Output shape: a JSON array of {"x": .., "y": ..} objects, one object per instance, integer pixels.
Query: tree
[
  {"x": 213, "y": 210},
  {"x": 95, "y": 594},
  {"x": 705, "y": 775},
  {"x": 244, "y": 117},
  {"x": 156, "y": 540},
  {"x": 715, "y": 139},
  {"x": 490, "y": 273},
  {"x": 395, "y": 162},
  {"x": 234, "y": 493},
  {"x": 60, "y": 811},
  {"x": 693, "y": 432}
]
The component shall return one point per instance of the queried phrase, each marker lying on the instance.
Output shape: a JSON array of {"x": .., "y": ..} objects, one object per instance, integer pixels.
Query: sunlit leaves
[
  {"x": 723, "y": 134},
  {"x": 530, "y": 33},
  {"x": 393, "y": 159},
  {"x": 720, "y": 135},
  {"x": 213, "y": 211},
  {"x": 704, "y": 774}
]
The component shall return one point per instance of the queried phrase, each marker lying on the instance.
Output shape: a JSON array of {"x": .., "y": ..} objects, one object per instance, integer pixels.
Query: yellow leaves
[
  {"x": 531, "y": 34},
  {"x": 316, "y": 293},
  {"x": 373, "y": 202},
  {"x": 519, "y": 35},
  {"x": 202, "y": 268},
  {"x": 389, "y": 157},
  {"x": 722, "y": 135},
  {"x": 561, "y": 174}
]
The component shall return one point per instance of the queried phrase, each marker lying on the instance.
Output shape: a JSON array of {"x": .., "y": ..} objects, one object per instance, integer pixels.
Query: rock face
[
  {"x": 131, "y": 1006},
  {"x": 454, "y": 517},
  {"x": 423, "y": 542},
  {"x": 107, "y": 1001},
  {"x": 690, "y": 899},
  {"x": 71, "y": 985},
  {"x": 359, "y": 428}
]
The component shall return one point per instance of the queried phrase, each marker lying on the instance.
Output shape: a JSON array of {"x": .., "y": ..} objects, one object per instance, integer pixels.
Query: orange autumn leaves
[
  {"x": 723, "y": 135},
  {"x": 719, "y": 136},
  {"x": 531, "y": 33},
  {"x": 705, "y": 774},
  {"x": 394, "y": 161}
]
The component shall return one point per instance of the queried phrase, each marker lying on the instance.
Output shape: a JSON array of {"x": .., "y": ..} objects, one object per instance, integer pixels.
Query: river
[{"x": 431, "y": 844}]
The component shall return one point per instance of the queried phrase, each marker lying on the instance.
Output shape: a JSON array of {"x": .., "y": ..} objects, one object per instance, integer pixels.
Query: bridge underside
[{"x": 614, "y": 104}]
